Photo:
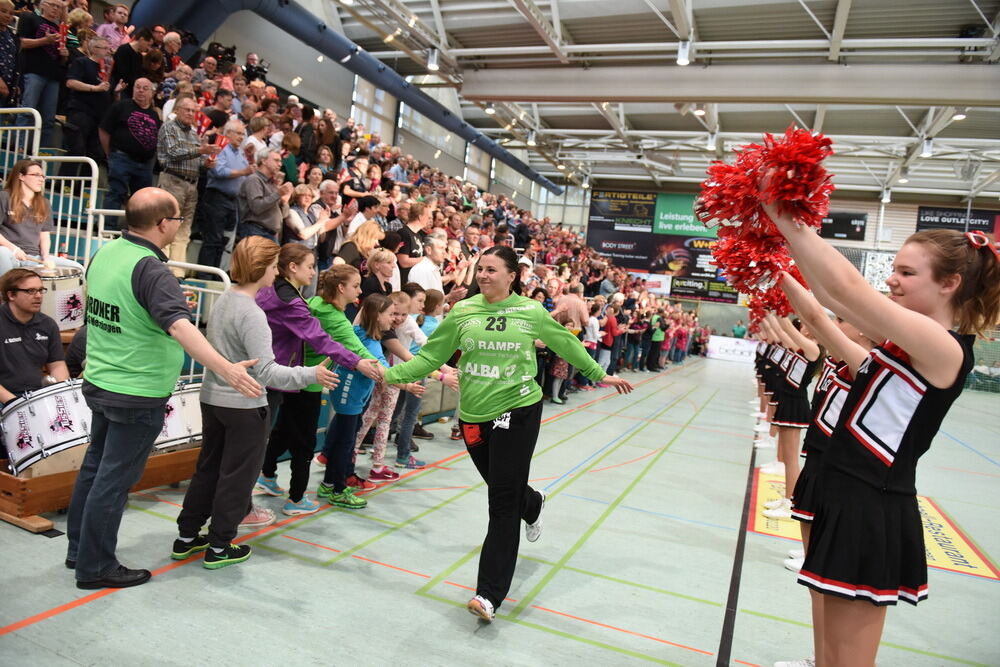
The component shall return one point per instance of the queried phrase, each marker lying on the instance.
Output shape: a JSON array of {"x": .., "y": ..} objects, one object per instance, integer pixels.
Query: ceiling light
[
  {"x": 699, "y": 110},
  {"x": 586, "y": 183},
  {"x": 413, "y": 21},
  {"x": 531, "y": 138},
  {"x": 437, "y": 154},
  {"x": 960, "y": 114},
  {"x": 886, "y": 196},
  {"x": 490, "y": 109},
  {"x": 928, "y": 149},
  {"x": 347, "y": 3},
  {"x": 432, "y": 60},
  {"x": 683, "y": 53},
  {"x": 904, "y": 176},
  {"x": 296, "y": 81},
  {"x": 712, "y": 139},
  {"x": 561, "y": 167},
  {"x": 319, "y": 59},
  {"x": 394, "y": 35}
]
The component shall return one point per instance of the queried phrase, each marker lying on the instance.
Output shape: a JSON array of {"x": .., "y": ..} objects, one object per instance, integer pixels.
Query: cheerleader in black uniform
[
  {"x": 866, "y": 544},
  {"x": 791, "y": 415}
]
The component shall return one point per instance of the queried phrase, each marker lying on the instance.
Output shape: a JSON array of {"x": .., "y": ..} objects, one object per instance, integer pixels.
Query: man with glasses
[
  {"x": 138, "y": 328},
  {"x": 181, "y": 152},
  {"x": 128, "y": 136},
  {"x": 263, "y": 206},
  {"x": 88, "y": 99},
  {"x": 30, "y": 337},
  {"x": 218, "y": 204},
  {"x": 43, "y": 63}
]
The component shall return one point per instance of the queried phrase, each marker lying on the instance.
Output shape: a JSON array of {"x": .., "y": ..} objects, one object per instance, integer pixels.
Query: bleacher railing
[
  {"x": 70, "y": 187},
  {"x": 17, "y": 140}
]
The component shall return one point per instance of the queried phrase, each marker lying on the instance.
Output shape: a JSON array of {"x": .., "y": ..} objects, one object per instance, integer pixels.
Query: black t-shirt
[
  {"x": 133, "y": 129},
  {"x": 373, "y": 285},
  {"x": 412, "y": 246},
  {"x": 356, "y": 182},
  {"x": 25, "y": 348},
  {"x": 42, "y": 60},
  {"x": 127, "y": 68},
  {"x": 87, "y": 71}
]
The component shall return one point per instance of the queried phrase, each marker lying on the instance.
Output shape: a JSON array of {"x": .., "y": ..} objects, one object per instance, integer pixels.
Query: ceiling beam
[
  {"x": 819, "y": 118},
  {"x": 618, "y": 124},
  {"x": 928, "y": 85},
  {"x": 439, "y": 24},
  {"x": 659, "y": 15},
  {"x": 532, "y": 13},
  {"x": 683, "y": 16},
  {"x": 839, "y": 25},
  {"x": 981, "y": 186}
]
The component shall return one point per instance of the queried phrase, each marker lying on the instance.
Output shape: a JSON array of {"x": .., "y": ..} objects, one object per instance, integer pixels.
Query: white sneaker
[
  {"x": 773, "y": 468},
  {"x": 754, "y": 401},
  {"x": 758, "y": 414},
  {"x": 774, "y": 504},
  {"x": 257, "y": 518},
  {"x": 481, "y": 607},
  {"x": 532, "y": 531},
  {"x": 784, "y": 511},
  {"x": 804, "y": 662},
  {"x": 794, "y": 564},
  {"x": 797, "y": 553},
  {"x": 764, "y": 442},
  {"x": 762, "y": 427}
]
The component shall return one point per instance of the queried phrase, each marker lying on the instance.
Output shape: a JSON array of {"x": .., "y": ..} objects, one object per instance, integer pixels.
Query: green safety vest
[{"x": 127, "y": 351}]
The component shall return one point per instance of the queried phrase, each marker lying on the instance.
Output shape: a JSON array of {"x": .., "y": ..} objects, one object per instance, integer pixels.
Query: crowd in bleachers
[{"x": 244, "y": 160}]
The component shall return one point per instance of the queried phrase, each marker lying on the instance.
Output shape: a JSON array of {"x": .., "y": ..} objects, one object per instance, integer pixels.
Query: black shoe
[
  {"x": 232, "y": 554},
  {"x": 184, "y": 550},
  {"x": 414, "y": 447},
  {"x": 70, "y": 564},
  {"x": 456, "y": 432},
  {"x": 121, "y": 577},
  {"x": 420, "y": 432}
]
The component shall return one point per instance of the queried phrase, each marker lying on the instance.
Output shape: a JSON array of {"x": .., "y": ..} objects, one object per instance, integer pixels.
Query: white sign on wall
[{"x": 731, "y": 349}]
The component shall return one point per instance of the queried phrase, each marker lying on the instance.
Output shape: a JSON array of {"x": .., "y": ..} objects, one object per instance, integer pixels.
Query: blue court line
[
  {"x": 583, "y": 462},
  {"x": 969, "y": 447},
  {"x": 645, "y": 511}
]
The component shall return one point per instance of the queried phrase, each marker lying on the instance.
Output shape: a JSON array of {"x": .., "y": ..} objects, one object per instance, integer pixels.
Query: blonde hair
[
  {"x": 367, "y": 236},
  {"x": 380, "y": 255}
]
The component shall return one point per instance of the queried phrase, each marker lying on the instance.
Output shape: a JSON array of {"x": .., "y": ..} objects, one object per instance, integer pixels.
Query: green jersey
[
  {"x": 334, "y": 323},
  {"x": 658, "y": 333},
  {"x": 497, "y": 369}
]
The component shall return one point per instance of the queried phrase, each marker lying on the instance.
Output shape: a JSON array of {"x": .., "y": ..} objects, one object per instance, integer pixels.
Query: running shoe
[
  {"x": 557, "y": 401},
  {"x": 758, "y": 414},
  {"x": 420, "y": 432},
  {"x": 796, "y": 553},
  {"x": 359, "y": 483},
  {"x": 794, "y": 564},
  {"x": 775, "y": 504},
  {"x": 762, "y": 427},
  {"x": 230, "y": 555},
  {"x": 184, "y": 549},
  {"x": 481, "y": 607},
  {"x": 783, "y": 511},
  {"x": 383, "y": 474},
  {"x": 257, "y": 518},
  {"x": 320, "y": 460},
  {"x": 764, "y": 442},
  {"x": 410, "y": 463},
  {"x": 304, "y": 506},
  {"x": 773, "y": 468},
  {"x": 456, "y": 432},
  {"x": 804, "y": 662},
  {"x": 269, "y": 485},
  {"x": 533, "y": 531},
  {"x": 348, "y": 500},
  {"x": 325, "y": 492}
]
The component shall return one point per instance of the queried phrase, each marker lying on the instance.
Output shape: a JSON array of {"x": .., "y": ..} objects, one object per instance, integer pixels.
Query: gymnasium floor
[{"x": 635, "y": 564}]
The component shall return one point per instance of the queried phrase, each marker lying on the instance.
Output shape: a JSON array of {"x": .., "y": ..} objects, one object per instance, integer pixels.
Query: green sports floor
[{"x": 637, "y": 562}]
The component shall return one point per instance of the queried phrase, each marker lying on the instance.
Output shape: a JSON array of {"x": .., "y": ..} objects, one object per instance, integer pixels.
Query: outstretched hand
[
  {"x": 325, "y": 376},
  {"x": 236, "y": 376},
  {"x": 621, "y": 385},
  {"x": 371, "y": 369}
]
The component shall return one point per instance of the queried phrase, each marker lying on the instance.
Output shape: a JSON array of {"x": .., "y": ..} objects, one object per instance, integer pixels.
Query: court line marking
[
  {"x": 654, "y": 513},
  {"x": 969, "y": 447},
  {"x": 73, "y": 604}
]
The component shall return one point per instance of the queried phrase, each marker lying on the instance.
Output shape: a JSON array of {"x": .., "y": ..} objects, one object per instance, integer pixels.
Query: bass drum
[
  {"x": 64, "y": 301},
  {"x": 44, "y": 422},
  {"x": 182, "y": 421}
]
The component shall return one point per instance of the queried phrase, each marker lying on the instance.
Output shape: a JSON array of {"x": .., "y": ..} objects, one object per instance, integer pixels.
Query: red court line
[
  {"x": 670, "y": 423},
  {"x": 312, "y": 544},
  {"x": 971, "y": 472},
  {"x": 628, "y": 632},
  {"x": 625, "y": 463},
  {"x": 747, "y": 663},
  {"x": 436, "y": 488},
  {"x": 391, "y": 567},
  {"x": 152, "y": 497},
  {"x": 470, "y": 588}
]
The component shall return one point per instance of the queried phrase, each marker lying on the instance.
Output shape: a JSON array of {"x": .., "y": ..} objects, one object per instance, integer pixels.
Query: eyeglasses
[
  {"x": 978, "y": 240},
  {"x": 178, "y": 218},
  {"x": 33, "y": 291}
]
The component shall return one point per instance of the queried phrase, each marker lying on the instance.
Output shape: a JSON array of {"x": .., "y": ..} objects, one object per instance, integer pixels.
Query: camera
[
  {"x": 222, "y": 54},
  {"x": 258, "y": 71}
]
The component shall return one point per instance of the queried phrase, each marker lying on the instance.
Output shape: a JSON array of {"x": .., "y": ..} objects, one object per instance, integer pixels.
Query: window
[
  {"x": 374, "y": 108},
  {"x": 477, "y": 166},
  {"x": 426, "y": 129}
]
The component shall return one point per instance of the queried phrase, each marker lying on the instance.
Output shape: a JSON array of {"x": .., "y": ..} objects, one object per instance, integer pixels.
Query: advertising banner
[
  {"x": 656, "y": 283},
  {"x": 731, "y": 349},
  {"x": 627, "y": 249},
  {"x": 936, "y": 217},
  {"x": 622, "y": 211},
  {"x": 674, "y": 215},
  {"x": 703, "y": 289},
  {"x": 844, "y": 225}
]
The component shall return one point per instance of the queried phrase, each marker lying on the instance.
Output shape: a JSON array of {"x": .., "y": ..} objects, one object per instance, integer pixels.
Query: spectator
[
  {"x": 412, "y": 249},
  {"x": 573, "y": 305},
  {"x": 291, "y": 143},
  {"x": 88, "y": 98},
  {"x": 427, "y": 272},
  {"x": 159, "y": 33},
  {"x": 357, "y": 183},
  {"x": 128, "y": 61},
  {"x": 10, "y": 44},
  {"x": 206, "y": 72},
  {"x": 329, "y": 199},
  {"x": 739, "y": 331},
  {"x": 240, "y": 95},
  {"x": 252, "y": 70},
  {"x": 262, "y": 206},
  {"x": 359, "y": 245},
  {"x": 367, "y": 208},
  {"x": 128, "y": 135},
  {"x": 172, "y": 53},
  {"x": 43, "y": 63},
  {"x": 307, "y": 135},
  {"x": 180, "y": 151},
  {"x": 259, "y": 131},
  {"x": 115, "y": 29},
  {"x": 225, "y": 177}
]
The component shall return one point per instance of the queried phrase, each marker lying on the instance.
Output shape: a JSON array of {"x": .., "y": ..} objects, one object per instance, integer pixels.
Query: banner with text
[
  {"x": 844, "y": 225},
  {"x": 936, "y": 217}
]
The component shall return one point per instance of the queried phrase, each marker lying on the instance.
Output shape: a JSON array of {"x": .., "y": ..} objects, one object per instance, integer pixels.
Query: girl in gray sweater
[{"x": 235, "y": 428}]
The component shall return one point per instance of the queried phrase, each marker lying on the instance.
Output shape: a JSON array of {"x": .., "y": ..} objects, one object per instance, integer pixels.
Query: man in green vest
[
  {"x": 138, "y": 329},
  {"x": 656, "y": 324}
]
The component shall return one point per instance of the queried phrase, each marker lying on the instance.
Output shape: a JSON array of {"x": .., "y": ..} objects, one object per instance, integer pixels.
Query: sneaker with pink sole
[
  {"x": 383, "y": 474},
  {"x": 257, "y": 518}
]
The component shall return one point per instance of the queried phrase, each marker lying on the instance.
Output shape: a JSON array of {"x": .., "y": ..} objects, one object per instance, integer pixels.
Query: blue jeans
[
  {"x": 338, "y": 448},
  {"x": 218, "y": 216},
  {"x": 41, "y": 94},
  {"x": 121, "y": 440},
  {"x": 632, "y": 355},
  {"x": 245, "y": 229},
  {"x": 678, "y": 354},
  {"x": 126, "y": 176},
  {"x": 407, "y": 421}
]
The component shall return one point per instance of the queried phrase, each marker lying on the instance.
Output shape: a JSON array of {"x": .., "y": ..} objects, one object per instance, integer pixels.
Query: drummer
[
  {"x": 26, "y": 221},
  {"x": 29, "y": 339}
]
